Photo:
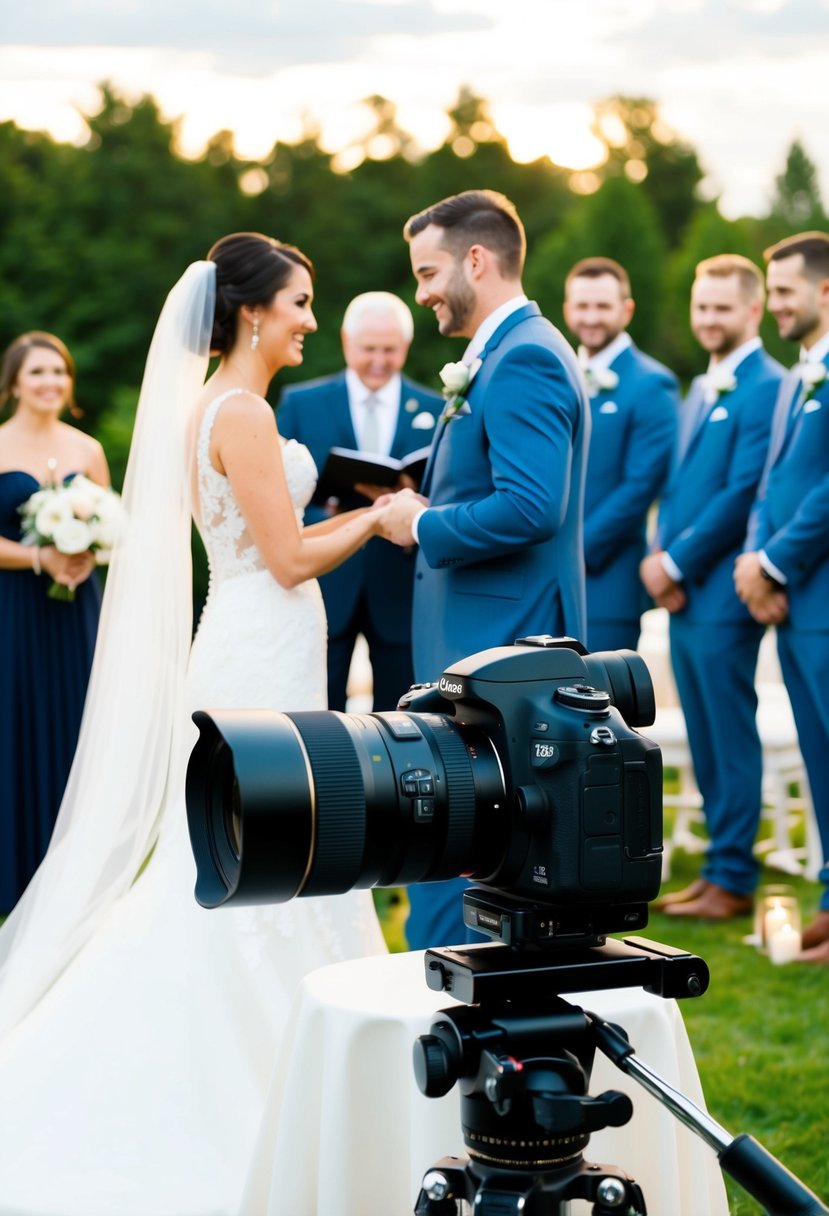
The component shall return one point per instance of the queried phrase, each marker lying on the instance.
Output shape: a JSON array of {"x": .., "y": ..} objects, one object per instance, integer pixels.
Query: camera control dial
[{"x": 583, "y": 696}]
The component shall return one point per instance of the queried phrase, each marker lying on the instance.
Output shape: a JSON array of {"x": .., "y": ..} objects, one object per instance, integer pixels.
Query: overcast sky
[{"x": 739, "y": 79}]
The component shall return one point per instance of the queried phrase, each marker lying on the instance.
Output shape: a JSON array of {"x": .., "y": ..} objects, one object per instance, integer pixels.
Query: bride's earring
[{"x": 254, "y": 340}]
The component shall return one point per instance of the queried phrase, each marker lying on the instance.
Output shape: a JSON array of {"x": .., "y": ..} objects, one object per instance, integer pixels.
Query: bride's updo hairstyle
[{"x": 250, "y": 269}]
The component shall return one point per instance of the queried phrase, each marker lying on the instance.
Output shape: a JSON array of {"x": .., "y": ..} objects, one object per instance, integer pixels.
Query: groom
[{"x": 500, "y": 527}]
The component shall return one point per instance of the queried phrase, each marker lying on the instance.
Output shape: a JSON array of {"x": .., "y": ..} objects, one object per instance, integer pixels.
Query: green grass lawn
[{"x": 759, "y": 1033}]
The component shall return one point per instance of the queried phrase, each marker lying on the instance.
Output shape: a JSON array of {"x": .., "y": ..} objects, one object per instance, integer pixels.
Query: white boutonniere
[
  {"x": 720, "y": 380},
  {"x": 456, "y": 379},
  {"x": 812, "y": 376},
  {"x": 600, "y": 380}
]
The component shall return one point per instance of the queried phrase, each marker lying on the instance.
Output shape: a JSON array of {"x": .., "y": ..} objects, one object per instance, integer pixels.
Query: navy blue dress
[{"x": 46, "y": 649}]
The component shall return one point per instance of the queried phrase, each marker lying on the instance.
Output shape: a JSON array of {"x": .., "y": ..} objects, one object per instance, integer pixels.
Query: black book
[{"x": 345, "y": 468}]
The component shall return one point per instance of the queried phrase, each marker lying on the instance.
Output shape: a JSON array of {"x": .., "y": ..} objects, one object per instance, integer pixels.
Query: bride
[{"x": 138, "y": 1030}]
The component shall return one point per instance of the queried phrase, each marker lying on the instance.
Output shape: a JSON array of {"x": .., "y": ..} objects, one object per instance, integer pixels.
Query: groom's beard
[{"x": 459, "y": 300}]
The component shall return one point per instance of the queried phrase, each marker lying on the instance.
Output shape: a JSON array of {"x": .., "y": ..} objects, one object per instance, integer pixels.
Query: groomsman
[
  {"x": 634, "y": 403},
  {"x": 723, "y": 441},
  {"x": 371, "y": 406},
  {"x": 500, "y": 538},
  {"x": 784, "y": 576}
]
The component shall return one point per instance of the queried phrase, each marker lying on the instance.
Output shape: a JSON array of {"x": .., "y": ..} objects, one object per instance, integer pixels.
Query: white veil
[{"x": 133, "y": 740}]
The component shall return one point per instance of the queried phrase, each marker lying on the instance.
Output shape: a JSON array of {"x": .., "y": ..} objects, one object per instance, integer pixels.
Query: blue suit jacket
[
  {"x": 317, "y": 415},
  {"x": 704, "y": 514},
  {"x": 632, "y": 440},
  {"x": 792, "y": 517},
  {"x": 501, "y": 546}
]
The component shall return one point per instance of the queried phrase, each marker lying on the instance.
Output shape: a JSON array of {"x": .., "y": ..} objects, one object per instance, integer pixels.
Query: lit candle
[
  {"x": 784, "y": 944},
  {"x": 775, "y": 918}
]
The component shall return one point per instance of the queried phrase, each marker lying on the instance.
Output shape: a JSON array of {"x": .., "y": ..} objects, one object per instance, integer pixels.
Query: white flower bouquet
[{"x": 75, "y": 517}]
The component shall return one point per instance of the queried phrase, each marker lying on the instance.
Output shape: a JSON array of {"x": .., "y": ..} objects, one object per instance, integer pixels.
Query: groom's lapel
[{"x": 530, "y": 309}]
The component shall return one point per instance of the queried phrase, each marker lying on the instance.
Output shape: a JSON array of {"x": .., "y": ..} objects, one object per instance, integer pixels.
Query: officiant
[{"x": 369, "y": 406}]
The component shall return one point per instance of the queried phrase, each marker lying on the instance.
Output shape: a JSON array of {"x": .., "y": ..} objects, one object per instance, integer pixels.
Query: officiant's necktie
[{"x": 370, "y": 439}]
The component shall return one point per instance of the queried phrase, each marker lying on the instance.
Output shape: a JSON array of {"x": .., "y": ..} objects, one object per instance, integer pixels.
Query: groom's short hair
[{"x": 476, "y": 217}]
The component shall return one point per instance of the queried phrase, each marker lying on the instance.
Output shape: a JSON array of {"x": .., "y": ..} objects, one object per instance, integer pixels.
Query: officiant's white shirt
[{"x": 387, "y": 411}]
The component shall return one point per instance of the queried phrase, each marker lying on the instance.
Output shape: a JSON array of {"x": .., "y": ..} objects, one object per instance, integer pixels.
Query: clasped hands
[
  {"x": 395, "y": 513},
  {"x": 765, "y": 600},
  {"x": 68, "y": 569}
]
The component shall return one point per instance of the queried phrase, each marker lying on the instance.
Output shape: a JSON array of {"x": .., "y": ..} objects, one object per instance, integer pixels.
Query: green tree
[
  {"x": 642, "y": 147},
  {"x": 797, "y": 200},
  {"x": 619, "y": 222}
]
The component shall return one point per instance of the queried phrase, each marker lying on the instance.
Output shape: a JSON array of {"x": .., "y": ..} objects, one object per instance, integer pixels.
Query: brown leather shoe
[
  {"x": 692, "y": 891},
  {"x": 715, "y": 903},
  {"x": 816, "y": 933}
]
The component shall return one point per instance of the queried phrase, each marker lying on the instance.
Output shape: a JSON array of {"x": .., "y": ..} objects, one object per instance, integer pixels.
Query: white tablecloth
[{"x": 348, "y": 1132}]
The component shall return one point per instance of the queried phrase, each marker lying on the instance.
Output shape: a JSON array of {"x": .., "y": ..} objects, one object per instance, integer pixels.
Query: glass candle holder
[
  {"x": 780, "y": 926},
  {"x": 765, "y": 897}
]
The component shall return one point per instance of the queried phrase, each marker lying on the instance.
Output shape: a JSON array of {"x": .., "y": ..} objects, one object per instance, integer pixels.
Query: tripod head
[{"x": 523, "y": 1057}]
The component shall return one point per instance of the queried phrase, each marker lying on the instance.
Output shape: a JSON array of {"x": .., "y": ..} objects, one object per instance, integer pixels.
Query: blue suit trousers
[
  {"x": 804, "y": 661},
  {"x": 714, "y": 666}
]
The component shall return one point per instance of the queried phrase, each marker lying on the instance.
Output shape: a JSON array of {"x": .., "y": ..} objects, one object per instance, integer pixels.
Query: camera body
[
  {"x": 582, "y": 824},
  {"x": 521, "y": 770}
]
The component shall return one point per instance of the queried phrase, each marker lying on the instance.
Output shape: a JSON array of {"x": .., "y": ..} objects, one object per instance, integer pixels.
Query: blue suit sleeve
[
  {"x": 721, "y": 526},
  {"x": 803, "y": 542},
  {"x": 532, "y": 412},
  {"x": 647, "y": 463}
]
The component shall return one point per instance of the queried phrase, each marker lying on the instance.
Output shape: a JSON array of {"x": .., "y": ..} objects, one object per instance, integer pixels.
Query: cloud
[
  {"x": 244, "y": 38},
  {"x": 710, "y": 31}
]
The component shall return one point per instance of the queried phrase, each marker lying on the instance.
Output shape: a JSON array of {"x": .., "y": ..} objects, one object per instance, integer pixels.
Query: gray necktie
[{"x": 370, "y": 438}]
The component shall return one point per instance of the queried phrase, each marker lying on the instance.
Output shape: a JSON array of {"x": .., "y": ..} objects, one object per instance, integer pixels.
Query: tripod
[{"x": 523, "y": 1059}]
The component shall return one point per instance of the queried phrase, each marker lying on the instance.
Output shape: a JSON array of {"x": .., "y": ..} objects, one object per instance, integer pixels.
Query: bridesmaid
[{"x": 46, "y": 645}]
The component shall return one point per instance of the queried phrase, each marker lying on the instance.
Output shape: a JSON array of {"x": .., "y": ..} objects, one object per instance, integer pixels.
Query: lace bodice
[{"x": 229, "y": 545}]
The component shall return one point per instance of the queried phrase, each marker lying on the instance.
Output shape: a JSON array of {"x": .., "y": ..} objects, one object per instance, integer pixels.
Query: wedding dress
[{"x": 137, "y": 1083}]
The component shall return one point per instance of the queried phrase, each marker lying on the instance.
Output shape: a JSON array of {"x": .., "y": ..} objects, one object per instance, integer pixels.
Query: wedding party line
[{"x": 543, "y": 484}]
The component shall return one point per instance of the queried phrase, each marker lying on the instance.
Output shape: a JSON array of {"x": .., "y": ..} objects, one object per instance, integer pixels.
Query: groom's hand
[{"x": 398, "y": 514}]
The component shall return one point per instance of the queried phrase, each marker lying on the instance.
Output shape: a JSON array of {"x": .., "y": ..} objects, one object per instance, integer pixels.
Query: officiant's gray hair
[
  {"x": 378, "y": 304},
  {"x": 477, "y": 217}
]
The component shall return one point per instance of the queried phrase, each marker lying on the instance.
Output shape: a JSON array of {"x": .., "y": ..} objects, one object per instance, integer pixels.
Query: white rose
[
  {"x": 722, "y": 380},
  {"x": 423, "y": 422},
  {"x": 85, "y": 496},
  {"x": 813, "y": 374},
  {"x": 72, "y": 536},
  {"x": 607, "y": 379},
  {"x": 57, "y": 510},
  {"x": 454, "y": 377}
]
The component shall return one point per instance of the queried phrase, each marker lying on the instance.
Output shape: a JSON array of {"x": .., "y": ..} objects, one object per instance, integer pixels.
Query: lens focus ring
[{"x": 340, "y": 803}]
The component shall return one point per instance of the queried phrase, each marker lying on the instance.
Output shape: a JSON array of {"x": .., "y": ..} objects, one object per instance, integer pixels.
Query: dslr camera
[{"x": 521, "y": 770}]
